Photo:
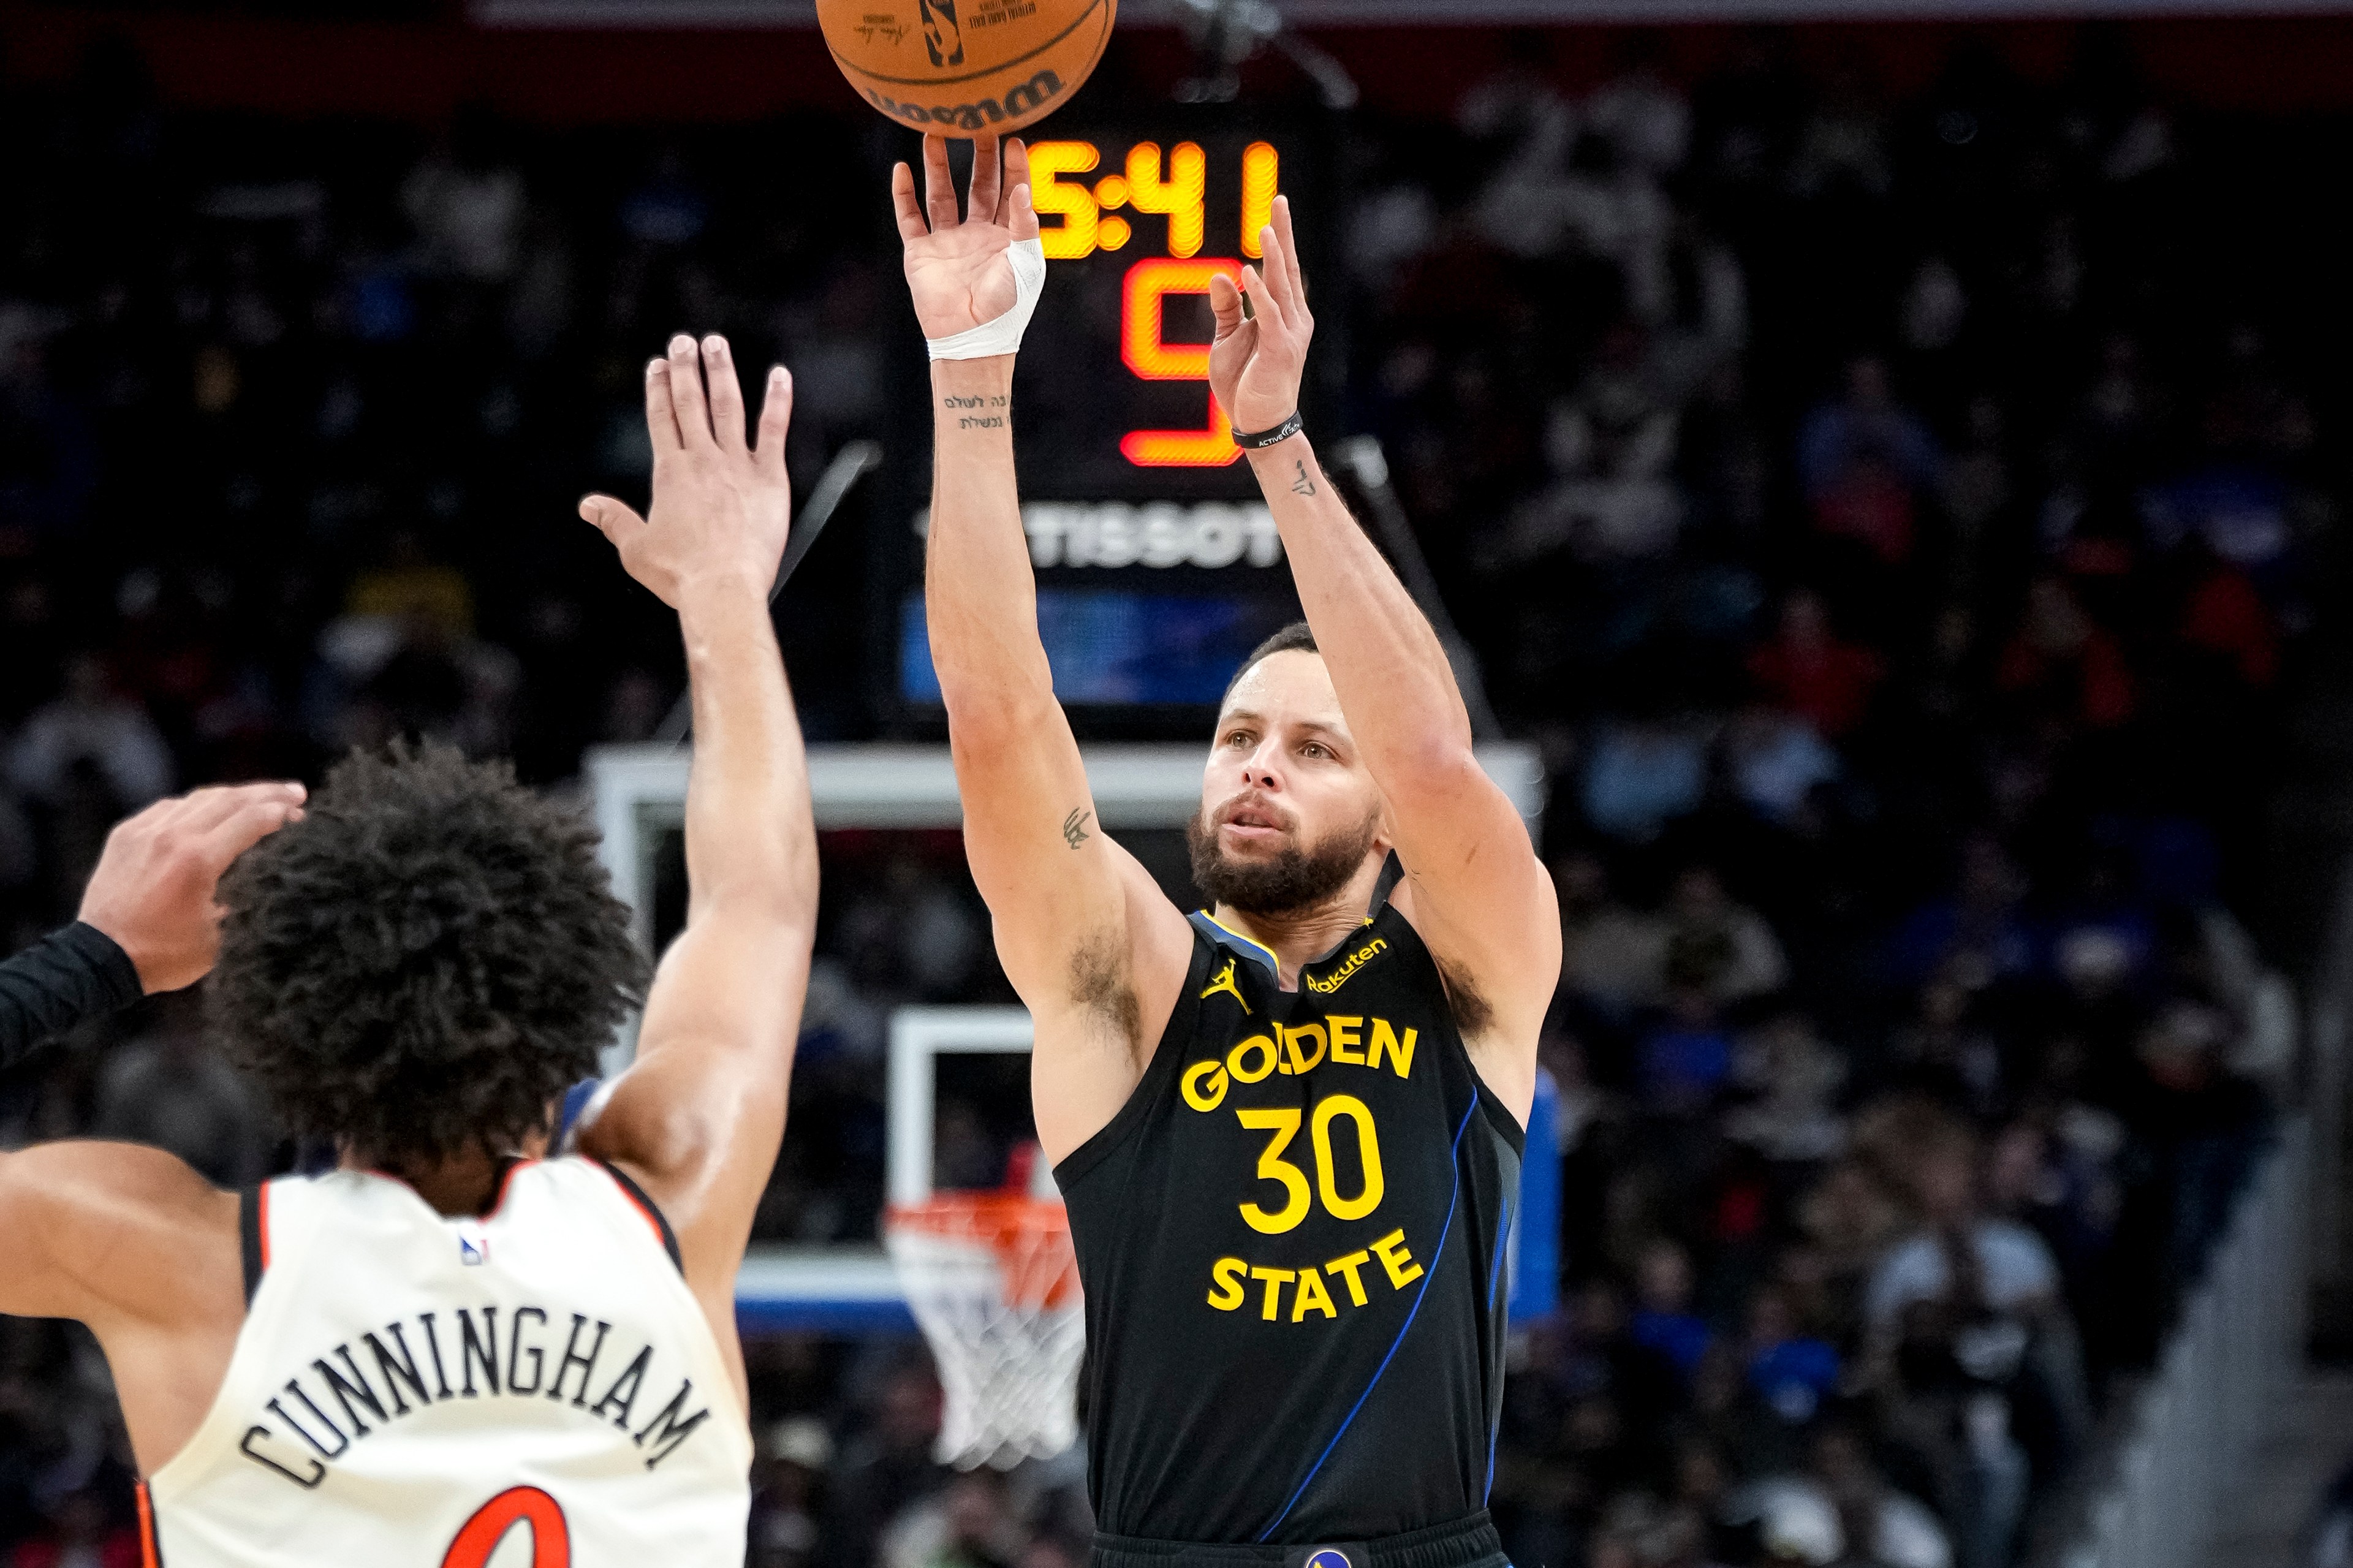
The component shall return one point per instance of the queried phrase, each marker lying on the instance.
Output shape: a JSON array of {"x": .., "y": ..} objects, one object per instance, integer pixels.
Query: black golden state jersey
[{"x": 1291, "y": 1243}]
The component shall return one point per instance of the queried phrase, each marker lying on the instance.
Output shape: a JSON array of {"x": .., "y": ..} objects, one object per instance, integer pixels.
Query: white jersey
[{"x": 533, "y": 1388}]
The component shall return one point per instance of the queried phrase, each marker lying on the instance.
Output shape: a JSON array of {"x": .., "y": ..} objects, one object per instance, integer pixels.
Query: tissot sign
[{"x": 1211, "y": 535}]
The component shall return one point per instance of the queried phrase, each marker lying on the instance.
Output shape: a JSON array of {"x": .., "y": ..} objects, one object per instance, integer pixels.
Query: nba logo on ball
[
  {"x": 941, "y": 35},
  {"x": 1328, "y": 1557},
  {"x": 964, "y": 68}
]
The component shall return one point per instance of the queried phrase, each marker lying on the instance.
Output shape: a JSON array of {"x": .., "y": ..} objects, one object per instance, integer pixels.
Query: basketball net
[{"x": 995, "y": 1287}]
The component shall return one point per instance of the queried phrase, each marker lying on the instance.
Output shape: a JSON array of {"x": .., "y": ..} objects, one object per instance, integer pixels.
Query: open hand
[
  {"x": 957, "y": 267},
  {"x": 153, "y": 890},
  {"x": 722, "y": 505},
  {"x": 1256, "y": 361}
]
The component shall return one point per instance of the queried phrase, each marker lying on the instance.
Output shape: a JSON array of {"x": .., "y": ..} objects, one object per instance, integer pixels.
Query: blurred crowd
[{"x": 1893, "y": 515}]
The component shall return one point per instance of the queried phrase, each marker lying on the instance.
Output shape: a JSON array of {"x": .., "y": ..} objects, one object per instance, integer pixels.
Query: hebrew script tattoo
[
  {"x": 1302, "y": 485},
  {"x": 1074, "y": 826},
  {"x": 997, "y": 401}
]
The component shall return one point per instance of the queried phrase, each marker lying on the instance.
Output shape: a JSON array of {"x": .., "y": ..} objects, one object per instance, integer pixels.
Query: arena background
[{"x": 1884, "y": 458}]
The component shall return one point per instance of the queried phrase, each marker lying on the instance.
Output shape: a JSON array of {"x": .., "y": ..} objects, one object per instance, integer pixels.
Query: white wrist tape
[{"x": 1003, "y": 335}]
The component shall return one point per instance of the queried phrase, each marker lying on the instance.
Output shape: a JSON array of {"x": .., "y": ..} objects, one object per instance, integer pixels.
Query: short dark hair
[
  {"x": 1296, "y": 637},
  {"x": 425, "y": 961}
]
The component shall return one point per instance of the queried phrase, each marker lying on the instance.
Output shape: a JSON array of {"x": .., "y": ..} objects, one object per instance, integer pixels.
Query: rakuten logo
[{"x": 1156, "y": 533}]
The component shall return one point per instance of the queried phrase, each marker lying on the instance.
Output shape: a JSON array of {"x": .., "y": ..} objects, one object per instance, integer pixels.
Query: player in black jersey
[{"x": 1288, "y": 1128}]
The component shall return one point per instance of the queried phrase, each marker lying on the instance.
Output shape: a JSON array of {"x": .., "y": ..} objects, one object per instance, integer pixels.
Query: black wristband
[{"x": 1283, "y": 432}]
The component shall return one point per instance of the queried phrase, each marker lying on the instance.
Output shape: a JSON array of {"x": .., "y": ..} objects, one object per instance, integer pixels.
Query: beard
[{"x": 1294, "y": 879}]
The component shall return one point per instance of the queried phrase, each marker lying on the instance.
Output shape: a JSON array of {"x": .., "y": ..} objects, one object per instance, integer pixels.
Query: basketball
[{"x": 966, "y": 67}]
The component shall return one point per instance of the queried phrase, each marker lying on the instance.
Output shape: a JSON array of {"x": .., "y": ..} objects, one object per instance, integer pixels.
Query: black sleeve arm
[{"x": 67, "y": 977}]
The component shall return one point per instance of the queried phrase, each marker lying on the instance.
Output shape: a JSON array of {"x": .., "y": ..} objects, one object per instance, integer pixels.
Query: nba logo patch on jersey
[
  {"x": 473, "y": 1247},
  {"x": 1332, "y": 1557}
]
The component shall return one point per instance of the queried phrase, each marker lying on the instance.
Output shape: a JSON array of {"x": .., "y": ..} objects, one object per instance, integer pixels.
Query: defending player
[
  {"x": 447, "y": 1337},
  {"x": 1287, "y": 1129}
]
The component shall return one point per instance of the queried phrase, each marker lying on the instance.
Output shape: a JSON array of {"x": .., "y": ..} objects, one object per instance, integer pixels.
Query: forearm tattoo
[
  {"x": 982, "y": 411},
  {"x": 1302, "y": 485},
  {"x": 1074, "y": 826}
]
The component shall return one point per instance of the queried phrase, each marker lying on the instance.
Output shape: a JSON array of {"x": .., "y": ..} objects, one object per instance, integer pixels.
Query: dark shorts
[{"x": 1464, "y": 1544}]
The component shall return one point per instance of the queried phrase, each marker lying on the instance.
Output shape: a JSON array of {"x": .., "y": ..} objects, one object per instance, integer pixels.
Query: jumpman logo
[{"x": 1225, "y": 982}]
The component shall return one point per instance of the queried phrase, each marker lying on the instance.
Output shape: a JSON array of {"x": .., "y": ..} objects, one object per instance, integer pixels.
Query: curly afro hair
[{"x": 425, "y": 961}]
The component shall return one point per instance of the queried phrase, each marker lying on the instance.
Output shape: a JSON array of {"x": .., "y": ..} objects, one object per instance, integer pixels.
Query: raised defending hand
[
  {"x": 722, "y": 505},
  {"x": 153, "y": 891},
  {"x": 956, "y": 268},
  {"x": 1255, "y": 361}
]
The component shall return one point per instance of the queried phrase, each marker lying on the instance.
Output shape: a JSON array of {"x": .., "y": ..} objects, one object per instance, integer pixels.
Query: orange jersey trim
[{"x": 151, "y": 1550}]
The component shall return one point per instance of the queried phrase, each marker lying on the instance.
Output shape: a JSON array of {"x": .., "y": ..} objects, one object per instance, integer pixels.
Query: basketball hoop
[{"x": 995, "y": 1287}]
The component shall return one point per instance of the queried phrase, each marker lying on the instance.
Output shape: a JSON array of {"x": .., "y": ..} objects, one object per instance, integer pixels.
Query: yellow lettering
[
  {"x": 1403, "y": 1270},
  {"x": 1275, "y": 1279},
  {"x": 1296, "y": 1062},
  {"x": 1265, "y": 1048},
  {"x": 1346, "y": 1037},
  {"x": 1385, "y": 1039},
  {"x": 1368, "y": 1156},
  {"x": 1311, "y": 1295},
  {"x": 1346, "y": 1267},
  {"x": 1273, "y": 1167},
  {"x": 1205, "y": 1084},
  {"x": 1225, "y": 1293}
]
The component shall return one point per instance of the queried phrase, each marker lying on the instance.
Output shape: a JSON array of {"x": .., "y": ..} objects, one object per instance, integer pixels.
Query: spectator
[
  {"x": 90, "y": 722},
  {"x": 1778, "y": 760},
  {"x": 1644, "y": 773},
  {"x": 1612, "y": 956},
  {"x": 2063, "y": 666},
  {"x": 1688, "y": 1058},
  {"x": 1792, "y": 1371},
  {"x": 1809, "y": 671},
  {"x": 1865, "y": 461},
  {"x": 1796, "y": 1077},
  {"x": 1717, "y": 946},
  {"x": 1976, "y": 936},
  {"x": 1664, "y": 1322},
  {"x": 884, "y": 1469},
  {"x": 788, "y": 1494},
  {"x": 967, "y": 1524},
  {"x": 1897, "y": 1530},
  {"x": 1966, "y": 1315}
]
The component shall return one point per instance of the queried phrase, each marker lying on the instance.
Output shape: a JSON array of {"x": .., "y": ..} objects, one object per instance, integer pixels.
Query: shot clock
[{"x": 1158, "y": 564}]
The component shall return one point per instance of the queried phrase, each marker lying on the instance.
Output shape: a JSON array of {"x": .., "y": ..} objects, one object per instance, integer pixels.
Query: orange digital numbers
[
  {"x": 1152, "y": 358},
  {"x": 1170, "y": 183},
  {"x": 1075, "y": 205},
  {"x": 1262, "y": 167},
  {"x": 1177, "y": 197}
]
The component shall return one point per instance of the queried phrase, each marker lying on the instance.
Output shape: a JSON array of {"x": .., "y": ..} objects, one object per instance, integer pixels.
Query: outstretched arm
[
  {"x": 696, "y": 1120},
  {"x": 1086, "y": 936},
  {"x": 130, "y": 1240},
  {"x": 1474, "y": 889},
  {"x": 148, "y": 922}
]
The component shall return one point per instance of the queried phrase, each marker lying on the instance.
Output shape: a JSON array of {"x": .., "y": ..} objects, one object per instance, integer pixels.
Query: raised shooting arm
[
  {"x": 1474, "y": 889},
  {"x": 1086, "y": 938}
]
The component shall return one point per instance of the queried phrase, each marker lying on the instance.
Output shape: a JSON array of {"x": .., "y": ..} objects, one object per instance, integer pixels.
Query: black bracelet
[{"x": 1283, "y": 432}]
